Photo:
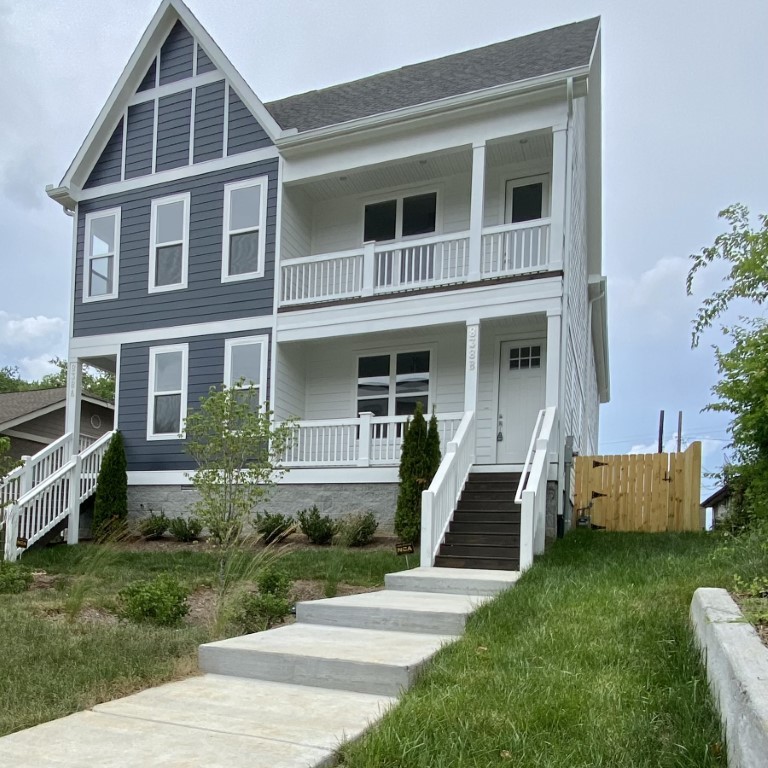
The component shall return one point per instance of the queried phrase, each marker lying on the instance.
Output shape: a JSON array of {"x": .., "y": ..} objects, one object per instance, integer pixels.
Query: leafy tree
[
  {"x": 10, "y": 381},
  {"x": 415, "y": 477},
  {"x": 742, "y": 389},
  {"x": 95, "y": 382},
  {"x": 7, "y": 463},
  {"x": 237, "y": 450},
  {"x": 110, "y": 507}
]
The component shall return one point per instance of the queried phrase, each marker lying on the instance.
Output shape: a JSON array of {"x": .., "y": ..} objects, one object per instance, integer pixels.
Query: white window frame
[
  {"x": 242, "y": 341},
  {"x": 263, "y": 183},
  {"x": 153, "y": 244},
  {"x": 524, "y": 181},
  {"x": 151, "y": 393},
  {"x": 88, "y": 256},
  {"x": 398, "y": 197}
]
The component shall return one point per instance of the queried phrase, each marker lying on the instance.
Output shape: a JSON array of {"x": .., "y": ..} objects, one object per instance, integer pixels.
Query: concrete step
[
  {"x": 452, "y": 581},
  {"x": 492, "y": 563},
  {"x": 401, "y": 611},
  {"x": 344, "y": 658}
]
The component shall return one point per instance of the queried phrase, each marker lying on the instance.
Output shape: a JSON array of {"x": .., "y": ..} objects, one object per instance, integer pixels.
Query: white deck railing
[
  {"x": 532, "y": 489},
  {"x": 52, "y": 498},
  {"x": 439, "y": 501},
  {"x": 509, "y": 249},
  {"x": 362, "y": 442},
  {"x": 515, "y": 249}
]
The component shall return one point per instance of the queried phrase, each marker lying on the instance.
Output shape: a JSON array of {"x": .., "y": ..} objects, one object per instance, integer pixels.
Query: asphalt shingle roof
[
  {"x": 542, "y": 53},
  {"x": 14, "y": 405}
]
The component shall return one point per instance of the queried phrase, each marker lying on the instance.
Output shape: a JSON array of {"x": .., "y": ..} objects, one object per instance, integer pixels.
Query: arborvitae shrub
[
  {"x": 433, "y": 448},
  {"x": 110, "y": 507},
  {"x": 414, "y": 478}
]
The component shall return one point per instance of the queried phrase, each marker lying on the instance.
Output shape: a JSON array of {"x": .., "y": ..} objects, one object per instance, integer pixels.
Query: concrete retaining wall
[
  {"x": 335, "y": 500},
  {"x": 737, "y": 670}
]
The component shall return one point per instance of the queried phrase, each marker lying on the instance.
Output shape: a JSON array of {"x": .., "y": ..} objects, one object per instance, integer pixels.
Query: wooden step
[
  {"x": 486, "y": 538},
  {"x": 494, "y": 477},
  {"x": 488, "y": 495},
  {"x": 486, "y": 516},
  {"x": 489, "y": 563},
  {"x": 479, "y": 550},
  {"x": 507, "y": 505},
  {"x": 509, "y": 529}
]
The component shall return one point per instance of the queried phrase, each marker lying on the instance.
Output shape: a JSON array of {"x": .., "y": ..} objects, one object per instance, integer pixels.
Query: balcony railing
[
  {"x": 362, "y": 442},
  {"x": 509, "y": 249}
]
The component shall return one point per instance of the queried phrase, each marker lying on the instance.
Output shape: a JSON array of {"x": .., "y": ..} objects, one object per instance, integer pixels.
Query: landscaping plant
[
  {"x": 357, "y": 530},
  {"x": 256, "y": 612},
  {"x": 161, "y": 601},
  {"x": 110, "y": 507},
  {"x": 154, "y": 525},
  {"x": 14, "y": 578},
  {"x": 415, "y": 476},
  {"x": 273, "y": 526},
  {"x": 319, "y": 529},
  {"x": 185, "y": 528},
  {"x": 237, "y": 449}
]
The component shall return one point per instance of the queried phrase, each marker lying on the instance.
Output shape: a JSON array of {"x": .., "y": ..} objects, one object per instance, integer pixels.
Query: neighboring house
[
  {"x": 719, "y": 503},
  {"x": 34, "y": 419},
  {"x": 429, "y": 234}
]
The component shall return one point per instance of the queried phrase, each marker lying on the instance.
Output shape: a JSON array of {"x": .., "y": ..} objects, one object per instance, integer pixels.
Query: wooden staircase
[{"x": 485, "y": 529}]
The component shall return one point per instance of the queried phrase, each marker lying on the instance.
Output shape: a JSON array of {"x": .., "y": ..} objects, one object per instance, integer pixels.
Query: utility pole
[
  {"x": 661, "y": 431},
  {"x": 679, "y": 431}
]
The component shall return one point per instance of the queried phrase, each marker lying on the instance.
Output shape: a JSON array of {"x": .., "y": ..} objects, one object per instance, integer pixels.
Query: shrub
[
  {"x": 414, "y": 478},
  {"x": 273, "y": 581},
  {"x": 110, "y": 507},
  {"x": 153, "y": 526},
  {"x": 185, "y": 528},
  {"x": 162, "y": 601},
  {"x": 319, "y": 529},
  {"x": 273, "y": 527},
  {"x": 250, "y": 612},
  {"x": 356, "y": 530},
  {"x": 14, "y": 578}
]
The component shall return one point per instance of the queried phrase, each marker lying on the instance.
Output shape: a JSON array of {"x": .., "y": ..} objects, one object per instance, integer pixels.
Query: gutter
[{"x": 62, "y": 196}]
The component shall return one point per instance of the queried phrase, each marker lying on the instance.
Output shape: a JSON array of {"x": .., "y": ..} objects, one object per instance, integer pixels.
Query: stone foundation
[
  {"x": 336, "y": 500},
  {"x": 550, "y": 528}
]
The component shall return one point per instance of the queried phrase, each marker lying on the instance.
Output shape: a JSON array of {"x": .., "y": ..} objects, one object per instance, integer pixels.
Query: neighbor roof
[
  {"x": 542, "y": 53},
  {"x": 14, "y": 405}
]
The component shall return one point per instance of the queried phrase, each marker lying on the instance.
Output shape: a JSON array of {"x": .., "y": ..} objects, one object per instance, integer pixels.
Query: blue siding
[
  {"x": 209, "y": 122},
  {"x": 206, "y": 369},
  {"x": 245, "y": 132},
  {"x": 149, "y": 79},
  {"x": 204, "y": 64},
  {"x": 206, "y": 298},
  {"x": 138, "y": 149},
  {"x": 173, "y": 126},
  {"x": 109, "y": 166},
  {"x": 176, "y": 55}
]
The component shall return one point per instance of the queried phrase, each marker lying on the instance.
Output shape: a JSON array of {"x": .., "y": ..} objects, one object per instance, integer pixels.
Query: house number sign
[{"x": 472, "y": 347}]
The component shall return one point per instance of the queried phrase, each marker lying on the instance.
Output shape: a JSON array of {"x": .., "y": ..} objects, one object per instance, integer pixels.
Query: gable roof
[
  {"x": 167, "y": 14},
  {"x": 542, "y": 53},
  {"x": 18, "y": 407}
]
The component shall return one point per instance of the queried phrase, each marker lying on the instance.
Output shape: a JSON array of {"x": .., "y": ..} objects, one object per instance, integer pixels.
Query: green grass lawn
[
  {"x": 588, "y": 661},
  {"x": 63, "y": 650}
]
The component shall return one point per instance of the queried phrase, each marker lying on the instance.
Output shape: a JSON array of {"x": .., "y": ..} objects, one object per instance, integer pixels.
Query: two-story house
[{"x": 428, "y": 234}]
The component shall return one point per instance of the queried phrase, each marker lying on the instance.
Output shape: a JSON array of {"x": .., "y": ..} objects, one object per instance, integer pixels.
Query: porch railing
[
  {"x": 362, "y": 442},
  {"x": 439, "y": 501},
  {"x": 509, "y": 249},
  {"x": 532, "y": 489}
]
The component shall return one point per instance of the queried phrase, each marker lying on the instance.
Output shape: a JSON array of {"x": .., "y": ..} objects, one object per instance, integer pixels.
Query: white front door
[{"x": 521, "y": 397}]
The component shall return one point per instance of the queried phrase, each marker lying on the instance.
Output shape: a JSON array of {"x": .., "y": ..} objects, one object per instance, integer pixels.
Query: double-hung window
[
  {"x": 245, "y": 365},
  {"x": 245, "y": 226},
  {"x": 167, "y": 392},
  {"x": 102, "y": 252},
  {"x": 392, "y": 384},
  {"x": 169, "y": 243}
]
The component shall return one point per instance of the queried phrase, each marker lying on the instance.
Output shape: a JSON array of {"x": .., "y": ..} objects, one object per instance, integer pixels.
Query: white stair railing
[
  {"x": 532, "y": 489},
  {"x": 438, "y": 502},
  {"x": 38, "y": 509}
]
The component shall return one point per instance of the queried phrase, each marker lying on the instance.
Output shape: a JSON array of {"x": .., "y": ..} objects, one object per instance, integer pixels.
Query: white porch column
[
  {"x": 477, "y": 206},
  {"x": 552, "y": 386},
  {"x": 472, "y": 365},
  {"x": 74, "y": 400},
  {"x": 559, "y": 180}
]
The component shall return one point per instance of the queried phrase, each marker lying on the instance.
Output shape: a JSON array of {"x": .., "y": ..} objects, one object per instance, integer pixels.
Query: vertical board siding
[
  {"x": 176, "y": 55},
  {"x": 643, "y": 492},
  {"x": 108, "y": 167},
  {"x": 174, "y": 118},
  {"x": 139, "y": 139},
  {"x": 204, "y": 64},
  {"x": 209, "y": 122},
  {"x": 245, "y": 133},
  {"x": 149, "y": 79},
  {"x": 206, "y": 298},
  {"x": 206, "y": 369}
]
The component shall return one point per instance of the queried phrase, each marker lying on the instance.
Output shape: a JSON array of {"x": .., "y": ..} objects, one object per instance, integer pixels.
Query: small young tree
[
  {"x": 237, "y": 449},
  {"x": 110, "y": 506},
  {"x": 414, "y": 478}
]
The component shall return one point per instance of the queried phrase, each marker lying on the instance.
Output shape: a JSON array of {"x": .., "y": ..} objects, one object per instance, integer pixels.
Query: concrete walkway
[{"x": 286, "y": 698}]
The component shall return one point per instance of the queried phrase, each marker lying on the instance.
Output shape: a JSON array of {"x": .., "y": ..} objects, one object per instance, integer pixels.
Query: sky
[{"x": 685, "y": 120}]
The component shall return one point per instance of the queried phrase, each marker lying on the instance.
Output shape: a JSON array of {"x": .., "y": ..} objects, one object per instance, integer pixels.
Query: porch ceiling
[{"x": 428, "y": 167}]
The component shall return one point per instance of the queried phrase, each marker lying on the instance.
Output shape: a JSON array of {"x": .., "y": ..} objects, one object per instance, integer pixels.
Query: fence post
[
  {"x": 25, "y": 479},
  {"x": 11, "y": 531},
  {"x": 527, "y": 511},
  {"x": 427, "y": 516},
  {"x": 369, "y": 268},
  {"x": 364, "y": 441},
  {"x": 73, "y": 524}
]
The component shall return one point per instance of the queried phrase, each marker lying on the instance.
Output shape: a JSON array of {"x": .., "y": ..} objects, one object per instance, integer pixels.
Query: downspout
[{"x": 565, "y": 311}]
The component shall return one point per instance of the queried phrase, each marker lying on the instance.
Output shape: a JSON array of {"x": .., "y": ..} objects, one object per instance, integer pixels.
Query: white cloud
[
  {"x": 30, "y": 342},
  {"x": 34, "y": 368}
]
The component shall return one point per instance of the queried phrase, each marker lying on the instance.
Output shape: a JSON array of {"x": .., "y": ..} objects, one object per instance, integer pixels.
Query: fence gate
[{"x": 641, "y": 492}]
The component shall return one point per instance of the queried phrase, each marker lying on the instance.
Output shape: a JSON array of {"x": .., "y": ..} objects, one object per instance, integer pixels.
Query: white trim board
[
  {"x": 318, "y": 476},
  {"x": 28, "y": 436}
]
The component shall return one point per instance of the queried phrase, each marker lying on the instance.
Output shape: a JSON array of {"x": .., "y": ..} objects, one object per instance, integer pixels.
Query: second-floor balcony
[{"x": 381, "y": 268}]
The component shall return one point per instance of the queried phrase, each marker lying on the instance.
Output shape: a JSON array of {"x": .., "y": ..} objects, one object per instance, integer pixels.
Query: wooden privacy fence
[{"x": 640, "y": 492}]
